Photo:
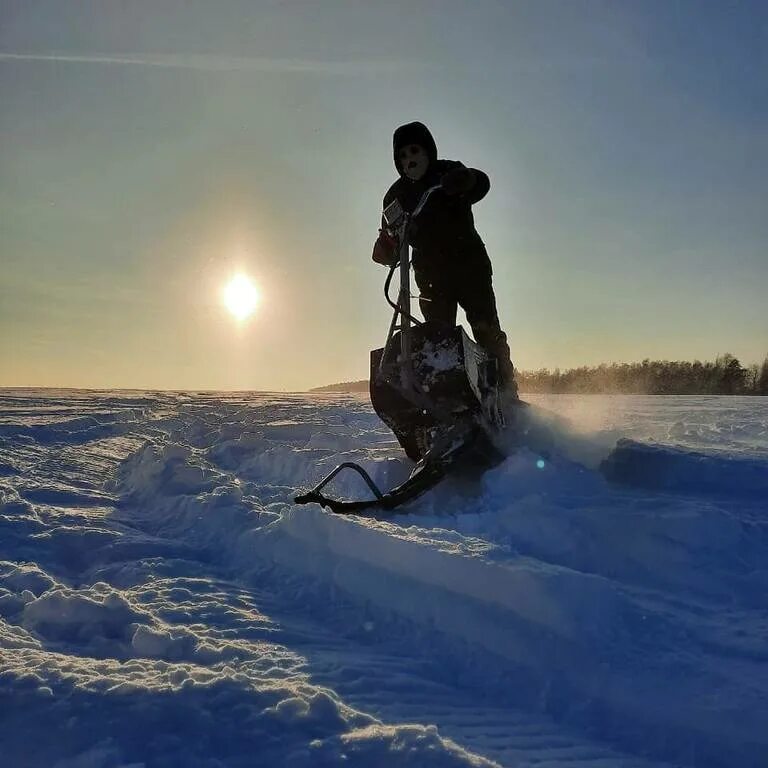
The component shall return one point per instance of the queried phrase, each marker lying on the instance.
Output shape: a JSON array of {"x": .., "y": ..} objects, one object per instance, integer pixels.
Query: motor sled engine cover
[{"x": 454, "y": 379}]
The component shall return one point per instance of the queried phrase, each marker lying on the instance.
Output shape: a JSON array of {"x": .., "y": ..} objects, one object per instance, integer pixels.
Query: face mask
[{"x": 413, "y": 161}]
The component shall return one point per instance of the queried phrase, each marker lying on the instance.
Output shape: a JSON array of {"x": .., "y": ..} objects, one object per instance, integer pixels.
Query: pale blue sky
[{"x": 149, "y": 149}]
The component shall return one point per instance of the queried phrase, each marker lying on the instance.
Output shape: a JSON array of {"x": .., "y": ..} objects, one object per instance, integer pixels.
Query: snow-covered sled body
[{"x": 453, "y": 388}]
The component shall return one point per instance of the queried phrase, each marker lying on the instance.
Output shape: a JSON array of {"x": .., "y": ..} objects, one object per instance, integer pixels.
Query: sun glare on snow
[{"x": 240, "y": 296}]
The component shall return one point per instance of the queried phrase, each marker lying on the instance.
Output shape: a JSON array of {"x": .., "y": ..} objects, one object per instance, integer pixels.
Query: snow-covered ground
[{"x": 163, "y": 603}]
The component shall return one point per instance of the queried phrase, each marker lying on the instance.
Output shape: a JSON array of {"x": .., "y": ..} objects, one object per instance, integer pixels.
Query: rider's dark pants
[{"x": 466, "y": 283}]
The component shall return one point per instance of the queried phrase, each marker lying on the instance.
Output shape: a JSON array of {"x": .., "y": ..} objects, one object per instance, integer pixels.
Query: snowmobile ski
[
  {"x": 455, "y": 450},
  {"x": 422, "y": 479}
]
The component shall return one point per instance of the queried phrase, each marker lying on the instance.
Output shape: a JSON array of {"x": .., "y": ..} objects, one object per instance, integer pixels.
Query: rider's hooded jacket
[{"x": 444, "y": 233}]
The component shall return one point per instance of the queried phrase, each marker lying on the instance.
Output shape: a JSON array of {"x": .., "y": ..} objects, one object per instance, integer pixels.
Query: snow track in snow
[{"x": 162, "y": 601}]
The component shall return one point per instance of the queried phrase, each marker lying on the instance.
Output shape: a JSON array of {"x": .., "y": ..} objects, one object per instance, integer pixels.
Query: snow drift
[{"x": 162, "y": 602}]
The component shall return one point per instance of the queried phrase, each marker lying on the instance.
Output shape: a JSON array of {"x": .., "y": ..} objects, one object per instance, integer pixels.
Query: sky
[{"x": 150, "y": 150}]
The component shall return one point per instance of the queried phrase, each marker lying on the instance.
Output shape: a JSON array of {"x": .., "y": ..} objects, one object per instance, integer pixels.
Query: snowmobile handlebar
[
  {"x": 403, "y": 222},
  {"x": 420, "y": 206},
  {"x": 396, "y": 220}
]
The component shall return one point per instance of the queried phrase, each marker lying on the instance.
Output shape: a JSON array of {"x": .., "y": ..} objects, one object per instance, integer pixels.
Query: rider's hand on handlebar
[
  {"x": 385, "y": 249},
  {"x": 458, "y": 181}
]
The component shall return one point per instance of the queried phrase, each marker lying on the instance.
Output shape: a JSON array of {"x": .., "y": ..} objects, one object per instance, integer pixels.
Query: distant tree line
[
  {"x": 344, "y": 386},
  {"x": 725, "y": 376}
]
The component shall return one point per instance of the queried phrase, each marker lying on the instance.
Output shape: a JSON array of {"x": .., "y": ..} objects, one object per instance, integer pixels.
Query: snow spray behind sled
[{"x": 434, "y": 387}]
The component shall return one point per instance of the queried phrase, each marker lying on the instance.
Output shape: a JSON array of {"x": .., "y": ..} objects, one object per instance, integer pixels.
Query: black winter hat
[{"x": 413, "y": 133}]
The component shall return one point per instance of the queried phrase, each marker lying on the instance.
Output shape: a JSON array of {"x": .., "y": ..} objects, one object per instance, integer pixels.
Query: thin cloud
[{"x": 215, "y": 63}]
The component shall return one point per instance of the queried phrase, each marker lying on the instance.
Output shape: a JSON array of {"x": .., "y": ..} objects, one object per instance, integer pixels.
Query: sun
[{"x": 240, "y": 296}]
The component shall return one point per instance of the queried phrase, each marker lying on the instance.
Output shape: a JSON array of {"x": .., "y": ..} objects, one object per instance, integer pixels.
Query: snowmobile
[{"x": 433, "y": 386}]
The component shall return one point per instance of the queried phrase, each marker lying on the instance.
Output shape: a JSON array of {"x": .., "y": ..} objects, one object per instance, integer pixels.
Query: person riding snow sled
[{"x": 450, "y": 262}]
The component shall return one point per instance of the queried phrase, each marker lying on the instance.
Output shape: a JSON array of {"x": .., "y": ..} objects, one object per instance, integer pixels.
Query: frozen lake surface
[{"x": 163, "y": 603}]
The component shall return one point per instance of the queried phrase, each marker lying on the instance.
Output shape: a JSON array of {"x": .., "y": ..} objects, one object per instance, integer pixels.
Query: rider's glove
[
  {"x": 385, "y": 249},
  {"x": 458, "y": 181}
]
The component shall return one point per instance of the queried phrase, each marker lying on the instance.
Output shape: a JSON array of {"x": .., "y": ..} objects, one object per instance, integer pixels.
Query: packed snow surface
[{"x": 600, "y": 601}]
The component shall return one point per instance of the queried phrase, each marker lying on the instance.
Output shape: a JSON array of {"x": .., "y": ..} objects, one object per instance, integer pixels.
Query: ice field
[{"x": 163, "y": 602}]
